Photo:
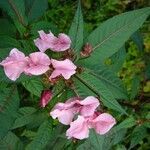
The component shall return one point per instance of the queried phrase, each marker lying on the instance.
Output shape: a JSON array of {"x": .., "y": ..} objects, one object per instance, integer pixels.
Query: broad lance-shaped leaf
[
  {"x": 110, "y": 36},
  {"x": 110, "y": 80},
  {"x": 76, "y": 30},
  {"x": 87, "y": 82},
  {"x": 15, "y": 9}
]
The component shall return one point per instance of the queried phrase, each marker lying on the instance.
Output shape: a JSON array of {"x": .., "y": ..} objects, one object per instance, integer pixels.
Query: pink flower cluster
[
  {"x": 87, "y": 117},
  {"x": 38, "y": 63}
]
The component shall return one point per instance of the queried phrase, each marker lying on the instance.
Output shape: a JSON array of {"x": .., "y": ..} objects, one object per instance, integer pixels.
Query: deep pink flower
[
  {"x": 78, "y": 129},
  {"x": 49, "y": 41},
  {"x": 14, "y": 64},
  {"x": 64, "y": 68},
  {"x": 65, "y": 111},
  {"x": 46, "y": 96},
  {"x": 38, "y": 63}
]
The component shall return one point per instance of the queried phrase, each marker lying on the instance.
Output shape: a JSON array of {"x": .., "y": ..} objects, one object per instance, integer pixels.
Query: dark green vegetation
[{"x": 25, "y": 124}]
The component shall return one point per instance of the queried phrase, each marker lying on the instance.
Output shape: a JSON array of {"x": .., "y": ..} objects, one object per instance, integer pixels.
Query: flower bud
[{"x": 46, "y": 96}]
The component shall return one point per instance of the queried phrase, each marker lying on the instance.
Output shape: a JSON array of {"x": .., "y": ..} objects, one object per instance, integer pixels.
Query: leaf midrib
[{"x": 115, "y": 33}]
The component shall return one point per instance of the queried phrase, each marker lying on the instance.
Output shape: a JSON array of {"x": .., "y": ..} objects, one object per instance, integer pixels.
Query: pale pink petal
[
  {"x": 14, "y": 64},
  {"x": 65, "y": 68},
  {"x": 38, "y": 63},
  {"x": 46, "y": 96},
  {"x": 63, "y": 43},
  {"x": 103, "y": 123},
  {"x": 78, "y": 129},
  {"x": 89, "y": 106},
  {"x": 64, "y": 116},
  {"x": 42, "y": 45}
]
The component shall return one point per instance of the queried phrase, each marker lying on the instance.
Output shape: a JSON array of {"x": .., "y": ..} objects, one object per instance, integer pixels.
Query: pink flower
[
  {"x": 14, "y": 64},
  {"x": 103, "y": 123},
  {"x": 65, "y": 111},
  {"x": 78, "y": 129},
  {"x": 88, "y": 106},
  {"x": 49, "y": 41},
  {"x": 38, "y": 63},
  {"x": 65, "y": 68},
  {"x": 46, "y": 96}
]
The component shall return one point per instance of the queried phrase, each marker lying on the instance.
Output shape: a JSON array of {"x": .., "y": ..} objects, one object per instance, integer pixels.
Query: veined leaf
[
  {"x": 110, "y": 36},
  {"x": 34, "y": 86},
  {"x": 11, "y": 141},
  {"x": 9, "y": 104},
  {"x": 35, "y": 8},
  {"x": 98, "y": 88},
  {"x": 111, "y": 81},
  {"x": 76, "y": 30},
  {"x": 15, "y": 9},
  {"x": 42, "y": 138}
]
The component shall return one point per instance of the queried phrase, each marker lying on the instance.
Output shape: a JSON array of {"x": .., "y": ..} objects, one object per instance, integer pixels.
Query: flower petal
[
  {"x": 89, "y": 106},
  {"x": 103, "y": 123},
  {"x": 78, "y": 129}
]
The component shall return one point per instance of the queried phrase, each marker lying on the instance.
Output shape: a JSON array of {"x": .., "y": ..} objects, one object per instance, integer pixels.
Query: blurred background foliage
[{"x": 135, "y": 71}]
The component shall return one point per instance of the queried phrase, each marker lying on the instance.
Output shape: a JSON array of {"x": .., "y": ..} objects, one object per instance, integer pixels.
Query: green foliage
[
  {"x": 24, "y": 125},
  {"x": 76, "y": 31},
  {"x": 110, "y": 36}
]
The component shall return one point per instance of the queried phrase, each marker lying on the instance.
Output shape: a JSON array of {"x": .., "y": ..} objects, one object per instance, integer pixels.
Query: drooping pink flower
[
  {"x": 103, "y": 123},
  {"x": 46, "y": 96},
  {"x": 65, "y": 68},
  {"x": 14, "y": 64},
  {"x": 78, "y": 129},
  {"x": 38, "y": 63},
  {"x": 49, "y": 41},
  {"x": 65, "y": 111}
]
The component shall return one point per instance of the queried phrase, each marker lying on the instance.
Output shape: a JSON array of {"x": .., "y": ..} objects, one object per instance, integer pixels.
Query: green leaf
[
  {"x": 35, "y": 8},
  {"x": 138, "y": 40},
  {"x": 137, "y": 135},
  {"x": 127, "y": 123},
  {"x": 11, "y": 141},
  {"x": 10, "y": 30},
  {"x": 8, "y": 42},
  {"x": 43, "y": 25},
  {"x": 15, "y": 9},
  {"x": 111, "y": 35},
  {"x": 118, "y": 59},
  {"x": 110, "y": 80},
  {"x": 76, "y": 30},
  {"x": 24, "y": 120},
  {"x": 102, "y": 142},
  {"x": 42, "y": 137},
  {"x": 135, "y": 87},
  {"x": 97, "y": 88},
  {"x": 34, "y": 86},
  {"x": 9, "y": 104}
]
